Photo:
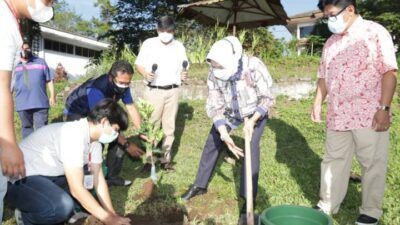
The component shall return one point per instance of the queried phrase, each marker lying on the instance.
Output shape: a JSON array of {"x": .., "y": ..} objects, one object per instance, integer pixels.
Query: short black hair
[
  {"x": 110, "y": 109},
  {"x": 120, "y": 66},
  {"x": 166, "y": 23},
  {"x": 339, "y": 3}
]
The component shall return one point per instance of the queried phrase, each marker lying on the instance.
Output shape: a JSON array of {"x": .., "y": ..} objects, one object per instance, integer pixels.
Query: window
[
  {"x": 85, "y": 52},
  {"x": 58, "y": 46},
  {"x": 306, "y": 31},
  {"x": 69, "y": 49}
]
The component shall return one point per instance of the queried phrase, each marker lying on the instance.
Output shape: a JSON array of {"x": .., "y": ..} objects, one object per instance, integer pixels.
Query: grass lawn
[{"x": 292, "y": 148}]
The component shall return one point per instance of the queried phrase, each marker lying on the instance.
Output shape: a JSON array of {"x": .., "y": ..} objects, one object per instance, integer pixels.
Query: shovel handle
[{"x": 249, "y": 178}]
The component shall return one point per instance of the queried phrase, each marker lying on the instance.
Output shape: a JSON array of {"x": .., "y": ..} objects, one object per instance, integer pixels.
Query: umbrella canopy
[{"x": 236, "y": 13}]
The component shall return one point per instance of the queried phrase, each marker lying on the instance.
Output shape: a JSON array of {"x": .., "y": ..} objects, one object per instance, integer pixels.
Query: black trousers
[{"x": 212, "y": 150}]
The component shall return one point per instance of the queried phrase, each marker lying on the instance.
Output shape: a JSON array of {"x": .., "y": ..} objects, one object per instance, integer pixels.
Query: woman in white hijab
[{"x": 239, "y": 87}]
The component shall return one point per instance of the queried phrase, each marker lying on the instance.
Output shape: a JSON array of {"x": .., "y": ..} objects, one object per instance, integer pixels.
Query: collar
[{"x": 354, "y": 27}]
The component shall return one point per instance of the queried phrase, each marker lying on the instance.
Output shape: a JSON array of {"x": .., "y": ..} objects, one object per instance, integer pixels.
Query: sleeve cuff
[
  {"x": 261, "y": 111},
  {"x": 219, "y": 123}
]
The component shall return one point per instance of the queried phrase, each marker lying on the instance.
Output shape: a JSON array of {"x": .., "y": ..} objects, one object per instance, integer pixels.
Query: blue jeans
[
  {"x": 41, "y": 200},
  {"x": 32, "y": 119}
]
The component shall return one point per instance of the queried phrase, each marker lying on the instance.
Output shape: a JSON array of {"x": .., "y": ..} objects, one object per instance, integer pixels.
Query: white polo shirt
[
  {"x": 50, "y": 148},
  {"x": 169, "y": 59},
  {"x": 10, "y": 38}
]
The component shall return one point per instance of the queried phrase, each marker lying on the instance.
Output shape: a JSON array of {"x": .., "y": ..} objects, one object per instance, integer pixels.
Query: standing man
[
  {"x": 163, "y": 63},
  {"x": 11, "y": 159},
  {"x": 358, "y": 72},
  {"x": 114, "y": 85},
  {"x": 32, "y": 104},
  {"x": 63, "y": 160}
]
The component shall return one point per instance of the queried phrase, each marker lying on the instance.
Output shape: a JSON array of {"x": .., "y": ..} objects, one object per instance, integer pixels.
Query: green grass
[{"x": 292, "y": 148}]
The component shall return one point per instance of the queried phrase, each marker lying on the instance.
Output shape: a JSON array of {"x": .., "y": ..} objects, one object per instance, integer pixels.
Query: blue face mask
[{"x": 108, "y": 138}]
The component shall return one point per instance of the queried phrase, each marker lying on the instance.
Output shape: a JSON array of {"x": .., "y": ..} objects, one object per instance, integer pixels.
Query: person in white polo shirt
[
  {"x": 163, "y": 63},
  {"x": 63, "y": 164},
  {"x": 11, "y": 159}
]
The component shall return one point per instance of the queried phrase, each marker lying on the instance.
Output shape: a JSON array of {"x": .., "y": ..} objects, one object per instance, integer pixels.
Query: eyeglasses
[{"x": 332, "y": 18}]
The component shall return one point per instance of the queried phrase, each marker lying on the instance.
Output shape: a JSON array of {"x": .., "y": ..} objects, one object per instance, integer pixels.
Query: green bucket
[{"x": 293, "y": 215}]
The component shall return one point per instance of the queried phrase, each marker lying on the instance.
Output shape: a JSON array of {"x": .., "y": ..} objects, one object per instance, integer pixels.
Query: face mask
[
  {"x": 338, "y": 26},
  {"x": 223, "y": 74},
  {"x": 119, "y": 88},
  {"x": 165, "y": 37},
  {"x": 26, "y": 54},
  {"x": 41, "y": 13},
  {"x": 108, "y": 138}
]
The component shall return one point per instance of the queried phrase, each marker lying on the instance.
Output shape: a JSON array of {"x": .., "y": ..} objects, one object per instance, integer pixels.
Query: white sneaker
[
  {"x": 77, "y": 216},
  {"x": 18, "y": 217}
]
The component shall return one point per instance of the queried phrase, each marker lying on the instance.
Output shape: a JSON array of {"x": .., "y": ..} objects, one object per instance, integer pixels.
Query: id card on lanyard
[{"x": 88, "y": 179}]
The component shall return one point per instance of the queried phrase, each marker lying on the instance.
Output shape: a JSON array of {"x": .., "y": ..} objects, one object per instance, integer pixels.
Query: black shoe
[
  {"x": 193, "y": 191},
  {"x": 168, "y": 167},
  {"x": 366, "y": 220},
  {"x": 355, "y": 178},
  {"x": 146, "y": 168},
  {"x": 118, "y": 181}
]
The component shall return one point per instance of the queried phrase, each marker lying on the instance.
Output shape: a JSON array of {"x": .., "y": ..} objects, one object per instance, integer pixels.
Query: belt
[{"x": 166, "y": 87}]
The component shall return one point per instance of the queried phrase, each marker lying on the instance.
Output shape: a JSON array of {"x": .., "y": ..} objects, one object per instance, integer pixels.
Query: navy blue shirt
[
  {"x": 86, "y": 96},
  {"x": 30, "y": 84}
]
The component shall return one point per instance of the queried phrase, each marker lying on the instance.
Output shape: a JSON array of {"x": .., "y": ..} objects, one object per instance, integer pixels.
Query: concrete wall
[{"x": 292, "y": 89}]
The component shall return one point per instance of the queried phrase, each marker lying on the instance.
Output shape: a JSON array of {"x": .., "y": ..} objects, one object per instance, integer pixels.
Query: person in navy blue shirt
[
  {"x": 31, "y": 101},
  {"x": 114, "y": 85}
]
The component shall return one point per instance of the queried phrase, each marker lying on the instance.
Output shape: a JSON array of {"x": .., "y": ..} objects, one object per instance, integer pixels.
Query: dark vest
[{"x": 77, "y": 101}]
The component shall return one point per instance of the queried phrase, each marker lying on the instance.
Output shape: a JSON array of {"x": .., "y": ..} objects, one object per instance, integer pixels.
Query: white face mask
[
  {"x": 121, "y": 85},
  {"x": 223, "y": 74},
  {"x": 165, "y": 37},
  {"x": 41, "y": 13},
  {"x": 108, "y": 138},
  {"x": 338, "y": 26}
]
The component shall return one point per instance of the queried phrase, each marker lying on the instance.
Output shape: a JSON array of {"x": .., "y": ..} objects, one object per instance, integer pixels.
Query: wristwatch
[{"x": 384, "y": 108}]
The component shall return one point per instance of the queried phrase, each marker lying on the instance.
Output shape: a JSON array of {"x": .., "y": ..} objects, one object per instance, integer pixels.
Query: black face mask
[
  {"x": 26, "y": 54},
  {"x": 118, "y": 90}
]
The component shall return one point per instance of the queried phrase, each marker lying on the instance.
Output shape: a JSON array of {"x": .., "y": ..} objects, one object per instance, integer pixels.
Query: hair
[
  {"x": 339, "y": 3},
  {"x": 111, "y": 110},
  {"x": 166, "y": 23},
  {"x": 120, "y": 66}
]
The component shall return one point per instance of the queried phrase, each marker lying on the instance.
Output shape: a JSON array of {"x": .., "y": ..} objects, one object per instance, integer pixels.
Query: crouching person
[{"x": 55, "y": 158}]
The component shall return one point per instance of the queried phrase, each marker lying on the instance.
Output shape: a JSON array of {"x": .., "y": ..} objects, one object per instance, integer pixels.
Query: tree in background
[
  {"x": 385, "y": 12},
  {"x": 135, "y": 20}
]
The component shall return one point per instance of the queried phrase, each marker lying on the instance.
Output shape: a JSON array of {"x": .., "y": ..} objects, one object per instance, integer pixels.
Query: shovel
[{"x": 249, "y": 177}]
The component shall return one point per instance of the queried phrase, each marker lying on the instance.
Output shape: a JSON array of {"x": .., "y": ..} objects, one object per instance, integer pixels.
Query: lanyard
[
  {"x": 15, "y": 16},
  {"x": 89, "y": 158}
]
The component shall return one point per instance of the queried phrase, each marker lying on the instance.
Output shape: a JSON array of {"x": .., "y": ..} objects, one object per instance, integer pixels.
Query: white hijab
[{"x": 227, "y": 52}]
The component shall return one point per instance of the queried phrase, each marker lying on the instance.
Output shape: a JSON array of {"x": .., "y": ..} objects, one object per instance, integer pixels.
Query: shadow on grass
[{"x": 304, "y": 165}]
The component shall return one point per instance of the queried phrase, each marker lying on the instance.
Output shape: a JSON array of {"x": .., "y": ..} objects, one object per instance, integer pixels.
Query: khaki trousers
[
  {"x": 371, "y": 149},
  {"x": 165, "y": 103}
]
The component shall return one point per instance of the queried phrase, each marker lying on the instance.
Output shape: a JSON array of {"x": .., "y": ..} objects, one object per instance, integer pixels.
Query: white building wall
[{"x": 73, "y": 64}]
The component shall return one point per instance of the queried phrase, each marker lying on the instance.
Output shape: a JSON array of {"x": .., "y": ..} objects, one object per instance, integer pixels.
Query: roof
[
  {"x": 305, "y": 17},
  {"x": 71, "y": 38}
]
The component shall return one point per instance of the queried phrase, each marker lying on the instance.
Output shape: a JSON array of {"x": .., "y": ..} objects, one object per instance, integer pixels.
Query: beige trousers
[
  {"x": 371, "y": 149},
  {"x": 165, "y": 103}
]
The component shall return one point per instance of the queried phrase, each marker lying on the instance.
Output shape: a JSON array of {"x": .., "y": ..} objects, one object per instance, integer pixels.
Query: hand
[
  {"x": 381, "y": 121},
  {"x": 316, "y": 112},
  {"x": 144, "y": 137},
  {"x": 52, "y": 101},
  {"x": 12, "y": 162},
  {"x": 184, "y": 75},
  {"x": 134, "y": 150},
  {"x": 149, "y": 76},
  {"x": 248, "y": 127},
  {"x": 238, "y": 152},
  {"x": 117, "y": 220}
]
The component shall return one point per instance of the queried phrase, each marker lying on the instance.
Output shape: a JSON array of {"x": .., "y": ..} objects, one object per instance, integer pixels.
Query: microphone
[
  {"x": 154, "y": 68},
  {"x": 185, "y": 65}
]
